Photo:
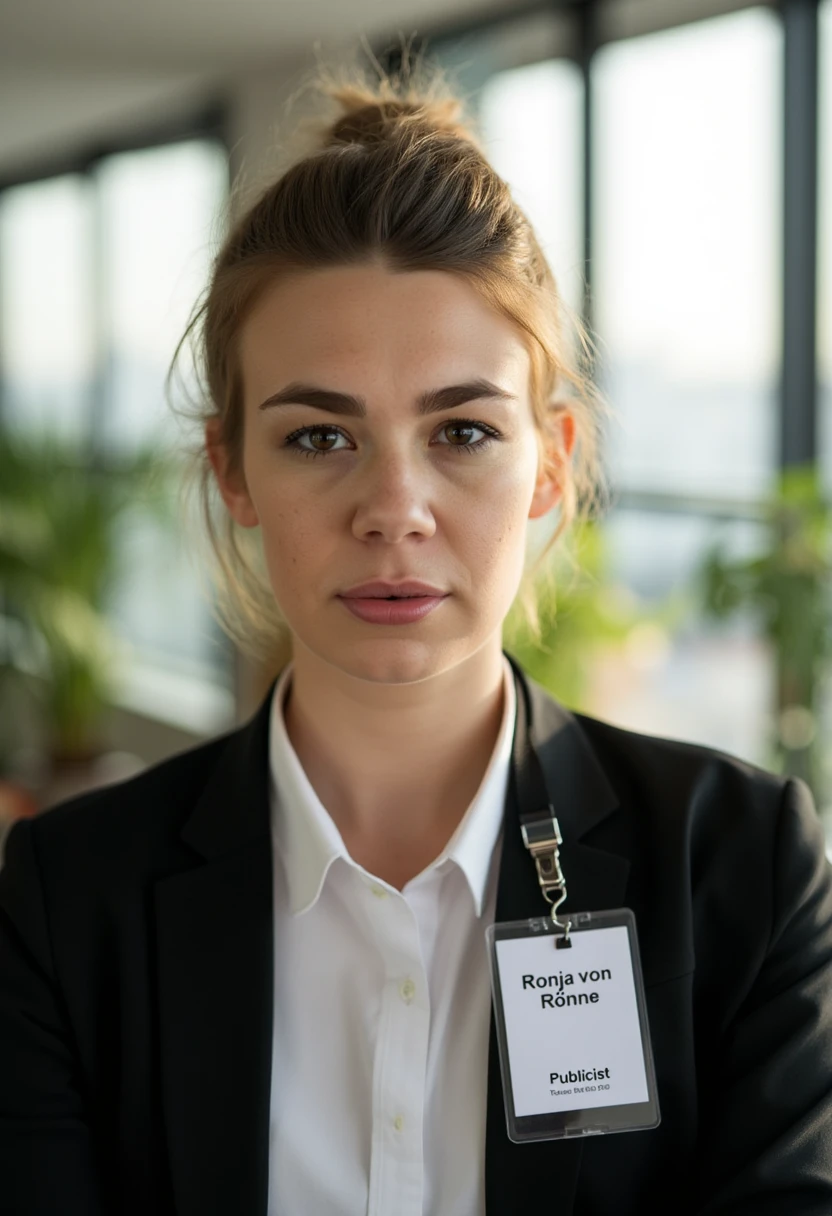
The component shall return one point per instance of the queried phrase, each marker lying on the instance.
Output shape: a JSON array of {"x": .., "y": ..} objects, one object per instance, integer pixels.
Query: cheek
[
  {"x": 290, "y": 526},
  {"x": 494, "y": 521},
  {"x": 297, "y": 554}
]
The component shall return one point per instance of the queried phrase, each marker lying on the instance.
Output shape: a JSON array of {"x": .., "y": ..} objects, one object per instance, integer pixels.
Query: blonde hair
[{"x": 396, "y": 175}]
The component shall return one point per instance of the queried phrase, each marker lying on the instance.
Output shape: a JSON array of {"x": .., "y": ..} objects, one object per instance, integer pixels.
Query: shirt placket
[{"x": 400, "y": 1059}]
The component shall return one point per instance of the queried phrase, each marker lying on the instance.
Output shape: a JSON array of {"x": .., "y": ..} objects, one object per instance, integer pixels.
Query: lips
[
  {"x": 379, "y": 589},
  {"x": 391, "y": 610}
]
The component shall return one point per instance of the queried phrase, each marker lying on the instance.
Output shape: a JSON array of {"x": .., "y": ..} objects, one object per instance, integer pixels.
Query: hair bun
[{"x": 370, "y": 119}]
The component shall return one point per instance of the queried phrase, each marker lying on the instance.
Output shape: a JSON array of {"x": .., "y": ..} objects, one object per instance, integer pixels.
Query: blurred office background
[{"x": 675, "y": 157}]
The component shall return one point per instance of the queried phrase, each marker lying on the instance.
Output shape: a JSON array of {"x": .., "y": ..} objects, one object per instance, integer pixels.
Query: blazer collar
[
  {"x": 215, "y": 968},
  {"x": 580, "y": 790},
  {"x": 232, "y": 811}
]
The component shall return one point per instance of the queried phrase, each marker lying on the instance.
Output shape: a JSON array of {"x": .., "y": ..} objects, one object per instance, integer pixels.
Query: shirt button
[
  {"x": 407, "y": 991},
  {"x": 378, "y": 891},
  {"x": 398, "y": 1123}
]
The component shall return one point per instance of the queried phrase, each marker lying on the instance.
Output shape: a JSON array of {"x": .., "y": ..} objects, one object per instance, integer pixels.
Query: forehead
[{"x": 368, "y": 318}]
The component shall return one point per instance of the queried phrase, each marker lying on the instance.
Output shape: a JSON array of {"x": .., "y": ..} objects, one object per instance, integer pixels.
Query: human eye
[
  {"x": 460, "y": 428},
  {"x": 463, "y": 427},
  {"x": 322, "y": 431}
]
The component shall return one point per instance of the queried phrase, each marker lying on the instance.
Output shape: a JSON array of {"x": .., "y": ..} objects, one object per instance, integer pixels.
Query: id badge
[{"x": 572, "y": 1030}]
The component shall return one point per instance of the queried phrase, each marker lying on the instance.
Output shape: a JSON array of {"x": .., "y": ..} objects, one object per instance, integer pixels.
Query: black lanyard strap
[{"x": 538, "y": 823}]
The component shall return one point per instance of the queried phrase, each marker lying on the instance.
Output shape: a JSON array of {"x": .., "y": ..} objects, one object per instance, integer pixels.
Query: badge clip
[{"x": 542, "y": 838}]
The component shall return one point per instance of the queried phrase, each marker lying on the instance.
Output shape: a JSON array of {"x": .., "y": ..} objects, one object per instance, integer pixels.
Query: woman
[{"x": 254, "y": 978}]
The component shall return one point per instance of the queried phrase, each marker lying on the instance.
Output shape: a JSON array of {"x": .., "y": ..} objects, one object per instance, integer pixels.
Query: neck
[{"x": 395, "y": 765}]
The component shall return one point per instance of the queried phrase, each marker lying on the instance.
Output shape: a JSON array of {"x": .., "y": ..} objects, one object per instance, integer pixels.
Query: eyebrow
[{"x": 430, "y": 402}]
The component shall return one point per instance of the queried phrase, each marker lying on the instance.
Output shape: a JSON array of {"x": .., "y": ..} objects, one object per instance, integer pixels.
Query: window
[
  {"x": 531, "y": 121},
  {"x": 689, "y": 680},
  {"x": 98, "y": 273},
  {"x": 687, "y": 247},
  {"x": 159, "y": 211},
  {"x": 686, "y": 294},
  {"x": 47, "y": 332}
]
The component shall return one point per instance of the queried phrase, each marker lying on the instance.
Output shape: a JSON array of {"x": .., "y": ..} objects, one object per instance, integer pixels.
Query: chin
[{"x": 391, "y": 660}]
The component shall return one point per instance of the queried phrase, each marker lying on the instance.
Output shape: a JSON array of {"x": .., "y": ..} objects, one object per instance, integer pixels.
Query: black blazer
[{"x": 136, "y": 972}]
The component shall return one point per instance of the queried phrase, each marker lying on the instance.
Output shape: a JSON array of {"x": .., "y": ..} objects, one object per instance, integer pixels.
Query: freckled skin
[{"x": 393, "y": 724}]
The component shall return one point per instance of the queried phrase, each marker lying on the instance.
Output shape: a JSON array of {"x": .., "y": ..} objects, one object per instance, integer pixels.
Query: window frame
[
  {"x": 183, "y": 700},
  {"x": 580, "y": 28}
]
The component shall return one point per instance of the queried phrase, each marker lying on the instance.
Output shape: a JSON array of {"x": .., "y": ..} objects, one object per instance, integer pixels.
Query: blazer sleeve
[
  {"x": 46, "y": 1150},
  {"x": 766, "y": 1143}
]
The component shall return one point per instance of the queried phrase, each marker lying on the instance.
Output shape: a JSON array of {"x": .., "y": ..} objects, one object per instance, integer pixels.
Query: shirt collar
[{"x": 309, "y": 842}]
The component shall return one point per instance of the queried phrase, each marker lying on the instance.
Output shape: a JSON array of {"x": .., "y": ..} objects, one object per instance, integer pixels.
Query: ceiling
[
  {"x": 202, "y": 35},
  {"x": 75, "y": 71},
  {"x": 80, "y": 74}
]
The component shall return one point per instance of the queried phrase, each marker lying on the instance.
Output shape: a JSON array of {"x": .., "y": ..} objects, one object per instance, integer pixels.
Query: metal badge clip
[{"x": 543, "y": 839}]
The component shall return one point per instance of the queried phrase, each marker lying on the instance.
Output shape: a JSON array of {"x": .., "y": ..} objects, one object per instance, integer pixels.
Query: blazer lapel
[
  {"x": 546, "y": 1172},
  {"x": 215, "y": 988}
]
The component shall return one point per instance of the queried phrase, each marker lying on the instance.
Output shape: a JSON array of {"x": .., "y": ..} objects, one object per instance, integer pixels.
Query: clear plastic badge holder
[{"x": 572, "y": 1029}]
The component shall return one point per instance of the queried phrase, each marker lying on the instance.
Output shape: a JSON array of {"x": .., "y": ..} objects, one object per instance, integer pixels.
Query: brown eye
[
  {"x": 459, "y": 432},
  {"x": 321, "y": 438}
]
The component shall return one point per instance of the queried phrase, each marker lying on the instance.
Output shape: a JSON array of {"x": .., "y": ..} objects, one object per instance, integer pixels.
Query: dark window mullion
[
  {"x": 588, "y": 42},
  {"x": 799, "y": 387}
]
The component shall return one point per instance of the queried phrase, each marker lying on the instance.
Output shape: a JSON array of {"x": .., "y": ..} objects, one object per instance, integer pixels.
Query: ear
[
  {"x": 553, "y": 467},
  {"x": 232, "y": 487}
]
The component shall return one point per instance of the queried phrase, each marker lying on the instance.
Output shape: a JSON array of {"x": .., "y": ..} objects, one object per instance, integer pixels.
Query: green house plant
[
  {"x": 581, "y": 610},
  {"x": 60, "y": 514},
  {"x": 786, "y": 586}
]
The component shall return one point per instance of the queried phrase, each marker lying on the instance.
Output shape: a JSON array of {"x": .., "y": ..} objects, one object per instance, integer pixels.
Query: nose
[{"x": 393, "y": 499}]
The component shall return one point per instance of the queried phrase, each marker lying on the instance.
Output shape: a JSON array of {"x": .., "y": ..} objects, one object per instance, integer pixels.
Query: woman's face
[{"x": 377, "y": 486}]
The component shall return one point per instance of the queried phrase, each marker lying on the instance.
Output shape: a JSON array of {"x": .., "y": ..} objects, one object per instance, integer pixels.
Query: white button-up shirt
[{"x": 382, "y": 1007}]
